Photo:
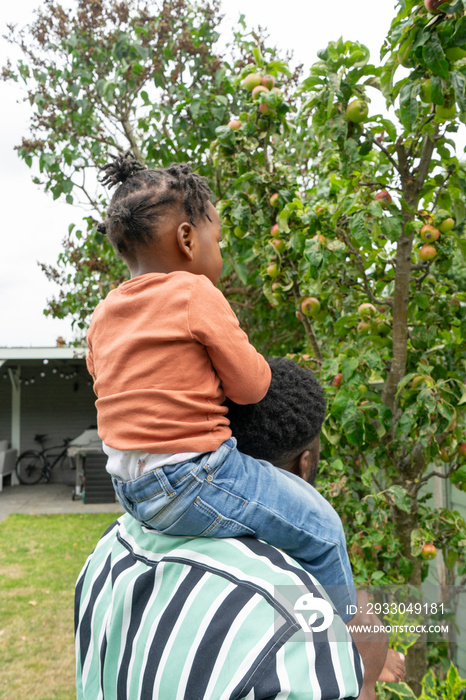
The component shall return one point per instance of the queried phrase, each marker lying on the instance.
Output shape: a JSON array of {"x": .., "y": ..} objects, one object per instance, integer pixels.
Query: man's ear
[
  {"x": 185, "y": 239},
  {"x": 308, "y": 461},
  {"x": 304, "y": 465}
]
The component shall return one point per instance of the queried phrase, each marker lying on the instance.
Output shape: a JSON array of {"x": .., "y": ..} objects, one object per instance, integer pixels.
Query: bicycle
[{"x": 34, "y": 465}]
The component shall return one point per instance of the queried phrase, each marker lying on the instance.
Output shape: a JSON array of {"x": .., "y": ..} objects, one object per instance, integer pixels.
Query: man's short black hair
[{"x": 283, "y": 424}]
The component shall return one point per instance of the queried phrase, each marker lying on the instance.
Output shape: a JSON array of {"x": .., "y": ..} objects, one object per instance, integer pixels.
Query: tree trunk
[
  {"x": 400, "y": 319},
  {"x": 416, "y": 659}
]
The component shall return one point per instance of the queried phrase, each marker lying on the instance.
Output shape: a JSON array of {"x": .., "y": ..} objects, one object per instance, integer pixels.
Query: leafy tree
[
  {"x": 109, "y": 77},
  {"x": 324, "y": 208},
  {"x": 343, "y": 245}
]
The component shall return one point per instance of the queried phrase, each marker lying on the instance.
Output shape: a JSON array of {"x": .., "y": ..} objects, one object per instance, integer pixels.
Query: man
[
  {"x": 177, "y": 617},
  {"x": 284, "y": 429}
]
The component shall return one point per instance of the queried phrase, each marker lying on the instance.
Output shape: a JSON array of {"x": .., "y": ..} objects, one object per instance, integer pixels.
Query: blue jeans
[{"x": 228, "y": 494}]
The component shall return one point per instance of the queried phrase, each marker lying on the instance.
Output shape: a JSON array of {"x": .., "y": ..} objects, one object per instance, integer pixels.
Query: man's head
[{"x": 284, "y": 427}]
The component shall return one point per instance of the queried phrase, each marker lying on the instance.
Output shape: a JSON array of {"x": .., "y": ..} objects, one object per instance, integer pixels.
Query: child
[{"x": 165, "y": 348}]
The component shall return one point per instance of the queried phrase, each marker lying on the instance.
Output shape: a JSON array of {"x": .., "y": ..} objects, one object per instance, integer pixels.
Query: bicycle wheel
[
  {"x": 30, "y": 467},
  {"x": 67, "y": 471}
]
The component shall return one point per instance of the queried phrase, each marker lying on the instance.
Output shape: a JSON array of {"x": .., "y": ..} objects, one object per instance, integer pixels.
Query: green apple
[
  {"x": 366, "y": 310},
  {"x": 310, "y": 306},
  {"x": 235, "y": 124},
  {"x": 274, "y": 199},
  {"x": 444, "y": 113},
  {"x": 363, "y": 327},
  {"x": 257, "y": 91},
  {"x": 429, "y": 551},
  {"x": 278, "y": 244},
  {"x": 433, "y": 6},
  {"x": 251, "y": 81},
  {"x": 382, "y": 328},
  {"x": 383, "y": 198},
  {"x": 426, "y": 92},
  {"x": 429, "y": 233},
  {"x": 275, "y": 230},
  {"x": 357, "y": 111},
  {"x": 268, "y": 81},
  {"x": 240, "y": 232},
  {"x": 447, "y": 225},
  {"x": 455, "y": 53},
  {"x": 427, "y": 252},
  {"x": 445, "y": 455},
  {"x": 273, "y": 270},
  {"x": 404, "y": 53}
]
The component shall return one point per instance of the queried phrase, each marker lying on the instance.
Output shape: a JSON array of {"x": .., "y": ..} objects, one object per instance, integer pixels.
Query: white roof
[{"x": 42, "y": 354}]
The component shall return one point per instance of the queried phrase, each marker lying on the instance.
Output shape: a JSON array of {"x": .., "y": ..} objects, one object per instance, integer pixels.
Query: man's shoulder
[
  {"x": 240, "y": 558},
  {"x": 212, "y": 613},
  {"x": 244, "y": 563}
]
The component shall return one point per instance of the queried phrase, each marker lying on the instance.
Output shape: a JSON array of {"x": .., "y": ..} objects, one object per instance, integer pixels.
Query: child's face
[{"x": 208, "y": 258}]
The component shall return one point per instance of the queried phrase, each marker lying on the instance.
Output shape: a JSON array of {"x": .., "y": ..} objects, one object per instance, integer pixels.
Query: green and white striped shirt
[{"x": 179, "y": 618}]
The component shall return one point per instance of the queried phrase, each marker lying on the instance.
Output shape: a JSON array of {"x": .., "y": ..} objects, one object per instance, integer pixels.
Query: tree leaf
[
  {"x": 408, "y": 105},
  {"x": 359, "y": 230},
  {"x": 352, "y": 424},
  {"x": 348, "y": 366},
  {"x": 459, "y": 36},
  {"x": 400, "y": 497},
  {"x": 459, "y": 83},
  {"x": 434, "y": 57}
]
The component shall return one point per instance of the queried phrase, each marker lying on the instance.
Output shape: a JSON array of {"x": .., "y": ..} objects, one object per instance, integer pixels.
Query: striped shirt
[{"x": 179, "y": 618}]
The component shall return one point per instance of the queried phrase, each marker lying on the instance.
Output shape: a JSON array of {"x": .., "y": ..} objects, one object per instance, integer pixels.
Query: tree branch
[
  {"x": 360, "y": 264},
  {"x": 388, "y": 154},
  {"x": 426, "y": 478},
  {"x": 380, "y": 184},
  {"x": 440, "y": 188},
  {"x": 309, "y": 331},
  {"x": 128, "y": 129},
  {"x": 426, "y": 159}
]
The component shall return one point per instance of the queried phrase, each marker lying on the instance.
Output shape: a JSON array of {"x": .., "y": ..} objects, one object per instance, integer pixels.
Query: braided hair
[
  {"x": 288, "y": 418},
  {"x": 144, "y": 195}
]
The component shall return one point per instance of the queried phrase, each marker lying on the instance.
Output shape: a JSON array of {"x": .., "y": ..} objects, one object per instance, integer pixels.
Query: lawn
[{"x": 40, "y": 560}]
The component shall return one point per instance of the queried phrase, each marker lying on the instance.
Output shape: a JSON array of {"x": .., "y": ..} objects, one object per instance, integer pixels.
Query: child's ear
[{"x": 185, "y": 238}]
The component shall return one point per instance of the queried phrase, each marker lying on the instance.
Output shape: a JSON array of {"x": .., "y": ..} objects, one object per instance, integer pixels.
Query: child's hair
[
  {"x": 143, "y": 195},
  {"x": 287, "y": 419}
]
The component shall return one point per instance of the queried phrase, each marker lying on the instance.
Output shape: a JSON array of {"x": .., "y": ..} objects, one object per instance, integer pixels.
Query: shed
[{"x": 44, "y": 391}]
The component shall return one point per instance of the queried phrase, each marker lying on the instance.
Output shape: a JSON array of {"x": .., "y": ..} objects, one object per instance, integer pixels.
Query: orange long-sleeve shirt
[{"x": 164, "y": 351}]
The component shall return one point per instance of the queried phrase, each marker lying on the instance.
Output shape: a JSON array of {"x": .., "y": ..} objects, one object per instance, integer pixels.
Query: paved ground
[{"x": 47, "y": 499}]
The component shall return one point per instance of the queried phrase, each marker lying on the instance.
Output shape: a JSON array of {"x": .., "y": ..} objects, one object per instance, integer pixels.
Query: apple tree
[
  {"x": 343, "y": 227},
  {"x": 354, "y": 220},
  {"x": 103, "y": 78}
]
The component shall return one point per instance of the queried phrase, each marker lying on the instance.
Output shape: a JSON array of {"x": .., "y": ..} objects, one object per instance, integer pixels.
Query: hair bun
[
  {"x": 120, "y": 169},
  {"x": 122, "y": 214}
]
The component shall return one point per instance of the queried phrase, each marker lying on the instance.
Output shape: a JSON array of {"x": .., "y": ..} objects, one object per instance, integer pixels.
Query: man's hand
[
  {"x": 394, "y": 669},
  {"x": 372, "y": 646}
]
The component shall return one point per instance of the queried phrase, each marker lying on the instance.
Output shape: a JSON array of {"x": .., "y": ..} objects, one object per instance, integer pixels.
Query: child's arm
[
  {"x": 244, "y": 373},
  {"x": 90, "y": 361}
]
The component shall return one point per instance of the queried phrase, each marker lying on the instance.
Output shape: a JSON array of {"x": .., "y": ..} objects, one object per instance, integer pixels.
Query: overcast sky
[{"x": 33, "y": 225}]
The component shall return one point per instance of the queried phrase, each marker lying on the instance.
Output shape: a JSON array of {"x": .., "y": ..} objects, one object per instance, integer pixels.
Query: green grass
[{"x": 40, "y": 560}]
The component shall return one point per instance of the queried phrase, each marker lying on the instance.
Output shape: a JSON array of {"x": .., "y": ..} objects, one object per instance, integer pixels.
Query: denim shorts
[{"x": 228, "y": 494}]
